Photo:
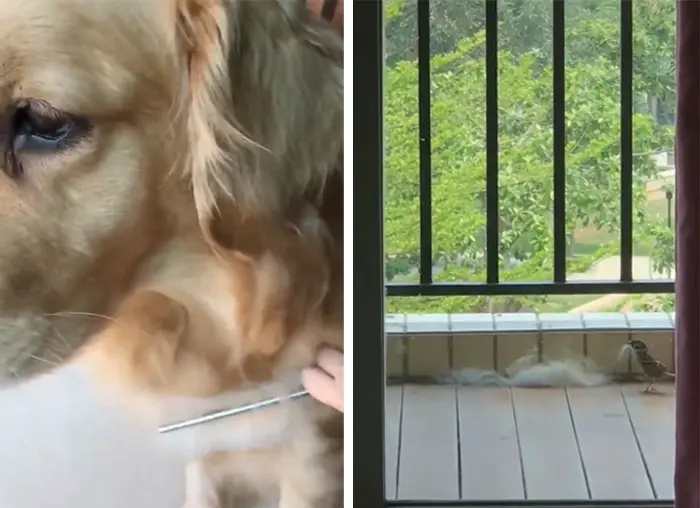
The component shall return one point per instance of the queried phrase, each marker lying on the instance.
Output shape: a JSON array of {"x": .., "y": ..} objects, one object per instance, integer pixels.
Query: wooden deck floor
[{"x": 448, "y": 443}]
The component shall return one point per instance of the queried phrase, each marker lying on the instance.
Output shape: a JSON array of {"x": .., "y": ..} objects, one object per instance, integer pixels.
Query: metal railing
[{"x": 493, "y": 284}]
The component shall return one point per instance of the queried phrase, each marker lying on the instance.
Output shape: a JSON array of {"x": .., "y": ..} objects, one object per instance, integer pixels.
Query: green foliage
[
  {"x": 648, "y": 303},
  {"x": 525, "y": 141}
]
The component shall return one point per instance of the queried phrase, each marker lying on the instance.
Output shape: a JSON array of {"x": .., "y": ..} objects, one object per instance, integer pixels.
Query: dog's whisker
[
  {"x": 43, "y": 360},
  {"x": 100, "y": 316},
  {"x": 86, "y": 314},
  {"x": 63, "y": 340},
  {"x": 55, "y": 355},
  {"x": 77, "y": 314}
]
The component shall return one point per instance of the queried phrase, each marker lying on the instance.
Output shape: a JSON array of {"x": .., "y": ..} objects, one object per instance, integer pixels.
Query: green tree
[
  {"x": 592, "y": 30},
  {"x": 525, "y": 139}
]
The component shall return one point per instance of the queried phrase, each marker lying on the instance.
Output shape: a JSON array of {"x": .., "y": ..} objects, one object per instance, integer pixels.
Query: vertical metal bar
[
  {"x": 368, "y": 280},
  {"x": 626, "y": 110},
  {"x": 559, "y": 128},
  {"x": 426, "y": 227},
  {"x": 492, "y": 208}
]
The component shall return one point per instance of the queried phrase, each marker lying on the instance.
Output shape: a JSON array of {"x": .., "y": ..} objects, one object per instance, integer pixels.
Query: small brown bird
[{"x": 653, "y": 368}]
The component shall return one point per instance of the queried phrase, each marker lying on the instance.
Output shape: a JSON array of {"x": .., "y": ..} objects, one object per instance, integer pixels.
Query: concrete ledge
[{"x": 424, "y": 345}]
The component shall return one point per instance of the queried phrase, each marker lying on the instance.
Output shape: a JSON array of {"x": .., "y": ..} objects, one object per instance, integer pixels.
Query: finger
[
  {"x": 331, "y": 360},
  {"x": 322, "y": 387},
  {"x": 317, "y": 6}
]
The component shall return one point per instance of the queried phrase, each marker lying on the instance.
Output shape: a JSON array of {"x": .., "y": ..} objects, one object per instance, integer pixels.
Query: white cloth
[{"x": 64, "y": 446}]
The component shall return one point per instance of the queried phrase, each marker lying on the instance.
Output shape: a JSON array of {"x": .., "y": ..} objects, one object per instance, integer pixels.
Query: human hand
[
  {"x": 316, "y": 6},
  {"x": 325, "y": 381}
]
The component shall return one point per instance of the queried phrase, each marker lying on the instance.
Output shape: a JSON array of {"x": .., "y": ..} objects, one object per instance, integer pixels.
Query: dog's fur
[{"x": 193, "y": 229}]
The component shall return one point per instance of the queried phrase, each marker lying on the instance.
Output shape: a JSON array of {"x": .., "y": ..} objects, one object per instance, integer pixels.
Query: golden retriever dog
[{"x": 171, "y": 214}]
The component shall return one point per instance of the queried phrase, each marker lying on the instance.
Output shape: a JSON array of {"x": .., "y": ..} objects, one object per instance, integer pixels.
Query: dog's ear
[
  {"x": 203, "y": 33},
  {"x": 264, "y": 102}
]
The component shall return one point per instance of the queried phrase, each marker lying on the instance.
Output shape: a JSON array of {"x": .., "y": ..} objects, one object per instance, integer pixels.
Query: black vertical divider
[{"x": 368, "y": 254}]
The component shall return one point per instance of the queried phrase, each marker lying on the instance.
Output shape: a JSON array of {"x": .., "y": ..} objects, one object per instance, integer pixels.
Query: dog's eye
[
  {"x": 37, "y": 131},
  {"x": 35, "y": 128}
]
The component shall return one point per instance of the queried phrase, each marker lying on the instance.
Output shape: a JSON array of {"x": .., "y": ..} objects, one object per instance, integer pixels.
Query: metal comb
[{"x": 226, "y": 413}]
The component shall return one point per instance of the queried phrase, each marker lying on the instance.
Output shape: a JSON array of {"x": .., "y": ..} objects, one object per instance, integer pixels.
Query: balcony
[
  {"x": 526, "y": 151},
  {"x": 599, "y": 443},
  {"x": 486, "y": 407}
]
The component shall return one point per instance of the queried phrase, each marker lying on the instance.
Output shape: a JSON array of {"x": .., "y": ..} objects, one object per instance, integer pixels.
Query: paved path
[{"x": 609, "y": 269}]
